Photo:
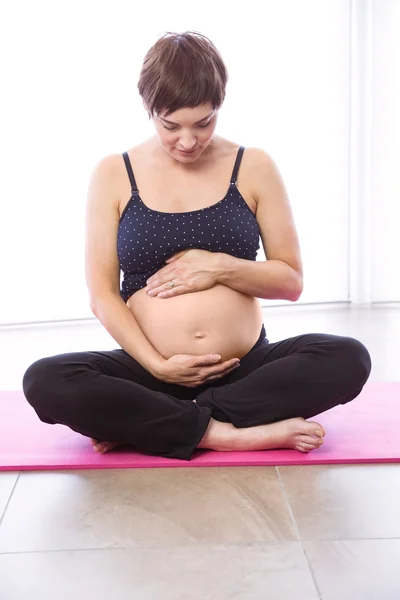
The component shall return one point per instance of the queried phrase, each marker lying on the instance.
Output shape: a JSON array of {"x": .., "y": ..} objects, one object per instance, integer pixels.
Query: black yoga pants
[{"x": 110, "y": 396}]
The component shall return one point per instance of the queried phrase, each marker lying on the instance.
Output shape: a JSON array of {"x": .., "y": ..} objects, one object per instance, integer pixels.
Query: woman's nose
[{"x": 187, "y": 143}]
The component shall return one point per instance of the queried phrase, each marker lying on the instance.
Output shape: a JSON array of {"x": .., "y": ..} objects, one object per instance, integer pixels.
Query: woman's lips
[{"x": 184, "y": 152}]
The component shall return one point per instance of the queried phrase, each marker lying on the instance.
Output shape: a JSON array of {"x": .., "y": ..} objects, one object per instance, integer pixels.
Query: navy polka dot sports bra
[{"x": 146, "y": 237}]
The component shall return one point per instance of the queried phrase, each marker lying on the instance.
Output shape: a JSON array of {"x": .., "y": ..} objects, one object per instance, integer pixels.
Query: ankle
[{"x": 219, "y": 436}]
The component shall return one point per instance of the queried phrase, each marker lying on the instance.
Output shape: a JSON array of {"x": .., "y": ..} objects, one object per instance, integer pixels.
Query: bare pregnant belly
[{"x": 218, "y": 321}]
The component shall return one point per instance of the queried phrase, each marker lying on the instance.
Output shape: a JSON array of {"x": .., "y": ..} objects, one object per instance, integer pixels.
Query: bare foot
[
  {"x": 103, "y": 447},
  {"x": 297, "y": 434}
]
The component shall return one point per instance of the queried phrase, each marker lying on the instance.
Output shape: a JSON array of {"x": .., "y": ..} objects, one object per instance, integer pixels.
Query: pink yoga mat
[{"x": 364, "y": 431}]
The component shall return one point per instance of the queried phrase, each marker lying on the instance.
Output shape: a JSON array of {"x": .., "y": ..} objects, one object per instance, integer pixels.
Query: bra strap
[
  {"x": 130, "y": 173},
  {"x": 237, "y": 165}
]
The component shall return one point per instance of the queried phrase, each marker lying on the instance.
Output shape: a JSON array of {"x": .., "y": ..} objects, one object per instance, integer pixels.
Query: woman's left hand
[{"x": 190, "y": 270}]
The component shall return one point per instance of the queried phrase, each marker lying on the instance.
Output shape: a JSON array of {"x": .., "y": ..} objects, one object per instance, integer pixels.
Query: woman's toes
[
  {"x": 304, "y": 447},
  {"x": 316, "y": 429},
  {"x": 109, "y": 446},
  {"x": 313, "y": 441},
  {"x": 103, "y": 447},
  {"x": 99, "y": 447}
]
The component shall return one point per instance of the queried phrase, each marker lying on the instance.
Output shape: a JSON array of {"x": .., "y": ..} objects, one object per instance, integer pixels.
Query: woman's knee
[
  {"x": 40, "y": 379},
  {"x": 356, "y": 357}
]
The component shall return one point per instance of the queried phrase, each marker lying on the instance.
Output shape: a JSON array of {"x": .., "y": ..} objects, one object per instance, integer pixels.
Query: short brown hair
[{"x": 182, "y": 70}]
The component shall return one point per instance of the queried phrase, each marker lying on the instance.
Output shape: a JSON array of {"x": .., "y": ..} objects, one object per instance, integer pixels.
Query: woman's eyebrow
[{"x": 172, "y": 123}]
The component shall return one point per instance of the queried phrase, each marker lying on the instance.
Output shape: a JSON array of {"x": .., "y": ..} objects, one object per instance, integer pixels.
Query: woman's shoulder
[
  {"x": 257, "y": 155},
  {"x": 112, "y": 166},
  {"x": 253, "y": 155},
  {"x": 112, "y": 162},
  {"x": 258, "y": 165}
]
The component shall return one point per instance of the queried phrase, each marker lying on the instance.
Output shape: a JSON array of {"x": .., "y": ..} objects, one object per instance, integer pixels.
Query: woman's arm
[
  {"x": 119, "y": 321},
  {"x": 281, "y": 276},
  {"x": 198, "y": 270},
  {"x": 269, "y": 279},
  {"x": 102, "y": 266}
]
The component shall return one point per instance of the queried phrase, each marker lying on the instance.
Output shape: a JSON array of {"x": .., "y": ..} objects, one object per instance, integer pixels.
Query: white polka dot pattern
[{"x": 147, "y": 237}]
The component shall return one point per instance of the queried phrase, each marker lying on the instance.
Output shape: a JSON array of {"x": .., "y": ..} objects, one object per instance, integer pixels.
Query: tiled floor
[{"x": 237, "y": 533}]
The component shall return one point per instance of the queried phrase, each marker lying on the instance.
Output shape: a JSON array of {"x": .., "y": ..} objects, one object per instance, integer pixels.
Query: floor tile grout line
[
  {"x": 221, "y": 545},
  {"x": 297, "y": 531},
  {"x": 9, "y": 499},
  {"x": 192, "y": 546}
]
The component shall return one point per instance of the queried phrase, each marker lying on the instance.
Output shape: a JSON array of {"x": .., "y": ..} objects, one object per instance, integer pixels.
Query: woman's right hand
[{"x": 191, "y": 370}]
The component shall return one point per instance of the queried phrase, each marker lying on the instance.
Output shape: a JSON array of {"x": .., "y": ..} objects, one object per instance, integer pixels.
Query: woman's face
[{"x": 187, "y": 132}]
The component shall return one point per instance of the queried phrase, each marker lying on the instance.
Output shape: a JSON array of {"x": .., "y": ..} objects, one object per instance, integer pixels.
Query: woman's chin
[{"x": 186, "y": 156}]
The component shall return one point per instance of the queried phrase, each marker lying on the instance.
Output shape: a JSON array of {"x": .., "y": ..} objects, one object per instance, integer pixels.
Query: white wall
[
  {"x": 71, "y": 75},
  {"x": 385, "y": 151}
]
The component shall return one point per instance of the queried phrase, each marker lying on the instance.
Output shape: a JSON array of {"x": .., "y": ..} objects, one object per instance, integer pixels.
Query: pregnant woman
[{"x": 181, "y": 215}]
